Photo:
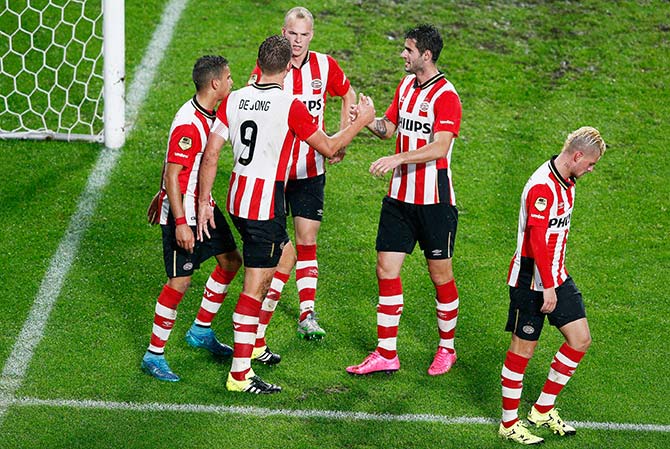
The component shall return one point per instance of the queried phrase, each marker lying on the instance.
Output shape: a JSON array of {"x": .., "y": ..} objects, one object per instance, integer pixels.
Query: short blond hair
[
  {"x": 585, "y": 138},
  {"x": 299, "y": 12}
]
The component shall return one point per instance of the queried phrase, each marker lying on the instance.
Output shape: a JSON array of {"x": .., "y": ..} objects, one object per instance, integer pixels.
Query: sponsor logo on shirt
[
  {"x": 538, "y": 216},
  {"x": 185, "y": 156},
  {"x": 560, "y": 222},
  {"x": 446, "y": 122},
  {"x": 410, "y": 125},
  {"x": 313, "y": 105}
]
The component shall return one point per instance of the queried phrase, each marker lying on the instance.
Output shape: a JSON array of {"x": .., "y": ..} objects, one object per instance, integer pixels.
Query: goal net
[{"x": 62, "y": 70}]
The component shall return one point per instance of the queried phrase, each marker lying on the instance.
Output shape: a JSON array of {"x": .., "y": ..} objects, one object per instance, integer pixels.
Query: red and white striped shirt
[
  {"x": 318, "y": 75},
  {"x": 420, "y": 111},
  {"x": 188, "y": 137},
  {"x": 546, "y": 202},
  {"x": 262, "y": 123}
]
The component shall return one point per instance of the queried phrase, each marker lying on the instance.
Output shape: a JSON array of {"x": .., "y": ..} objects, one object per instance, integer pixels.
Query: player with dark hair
[
  {"x": 175, "y": 208},
  {"x": 420, "y": 204},
  {"x": 262, "y": 123},
  {"x": 539, "y": 286},
  {"x": 312, "y": 78}
]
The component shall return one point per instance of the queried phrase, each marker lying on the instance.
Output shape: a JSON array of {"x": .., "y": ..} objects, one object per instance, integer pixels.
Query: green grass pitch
[{"x": 527, "y": 73}]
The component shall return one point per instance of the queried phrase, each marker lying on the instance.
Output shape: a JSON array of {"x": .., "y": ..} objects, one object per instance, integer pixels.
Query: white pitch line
[
  {"x": 302, "y": 414},
  {"x": 32, "y": 332}
]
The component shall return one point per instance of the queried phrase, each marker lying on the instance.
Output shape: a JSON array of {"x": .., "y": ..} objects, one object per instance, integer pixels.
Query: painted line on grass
[
  {"x": 261, "y": 412},
  {"x": 32, "y": 332}
]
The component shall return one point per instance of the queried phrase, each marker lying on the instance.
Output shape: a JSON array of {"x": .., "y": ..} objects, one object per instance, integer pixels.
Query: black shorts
[
  {"x": 304, "y": 197},
  {"x": 179, "y": 262},
  {"x": 525, "y": 319},
  {"x": 262, "y": 240},
  {"x": 402, "y": 224}
]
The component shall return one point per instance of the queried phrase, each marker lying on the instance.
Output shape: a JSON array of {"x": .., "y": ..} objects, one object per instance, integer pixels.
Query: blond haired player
[
  {"x": 312, "y": 79},
  {"x": 539, "y": 287}
]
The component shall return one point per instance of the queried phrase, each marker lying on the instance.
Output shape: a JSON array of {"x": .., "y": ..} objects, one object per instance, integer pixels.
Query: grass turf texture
[{"x": 527, "y": 73}]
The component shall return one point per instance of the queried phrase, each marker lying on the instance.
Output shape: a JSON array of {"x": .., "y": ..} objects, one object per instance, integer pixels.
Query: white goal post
[{"x": 62, "y": 70}]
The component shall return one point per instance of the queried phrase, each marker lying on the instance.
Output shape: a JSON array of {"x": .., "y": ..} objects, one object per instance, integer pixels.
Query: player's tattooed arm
[{"x": 382, "y": 127}]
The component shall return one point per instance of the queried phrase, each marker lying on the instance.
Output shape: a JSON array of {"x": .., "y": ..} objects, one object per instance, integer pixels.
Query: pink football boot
[{"x": 374, "y": 363}]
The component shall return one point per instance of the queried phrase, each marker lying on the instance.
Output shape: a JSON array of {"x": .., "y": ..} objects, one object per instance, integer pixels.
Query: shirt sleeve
[
  {"x": 538, "y": 204},
  {"x": 392, "y": 111},
  {"x": 184, "y": 145},
  {"x": 300, "y": 121},
  {"x": 220, "y": 125},
  {"x": 448, "y": 113},
  {"x": 338, "y": 83}
]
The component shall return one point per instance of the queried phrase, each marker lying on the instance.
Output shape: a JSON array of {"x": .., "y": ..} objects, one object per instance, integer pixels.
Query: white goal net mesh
[{"x": 51, "y": 69}]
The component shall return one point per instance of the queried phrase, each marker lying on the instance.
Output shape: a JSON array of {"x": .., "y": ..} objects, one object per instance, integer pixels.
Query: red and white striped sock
[
  {"x": 245, "y": 325},
  {"x": 562, "y": 368},
  {"x": 446, "y": 303},
  {"x": 215, "y": 292},
  {"x": 164, "y": 318},
  {"x": 306, "y": 276},
  {"x": 269, "y": 305},
  {"x": 512, "y": 384},
  {"x": 389, "y": 311}
]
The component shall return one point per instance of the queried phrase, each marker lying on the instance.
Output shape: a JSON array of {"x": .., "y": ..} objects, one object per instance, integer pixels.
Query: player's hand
[
  {"x": 205, "y": 219},
  {"x": 185, "y": 238},
  {"x": 366, "y": 109},
  {"x": 353, "y": 112},
  {"x": 383, "y": 165},
  {"x": 337, "y": 157},
  {"x": 549, "y": 296}
]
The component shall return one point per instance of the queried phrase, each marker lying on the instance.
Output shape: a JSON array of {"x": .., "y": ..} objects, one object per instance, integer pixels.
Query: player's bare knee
[
  {"x": 233, "y": 260},
  {"x": 181, "y": 284}
]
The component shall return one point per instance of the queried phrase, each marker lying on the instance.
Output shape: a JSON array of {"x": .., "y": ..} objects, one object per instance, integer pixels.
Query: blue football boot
[{"x": 203, "y": 337}]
